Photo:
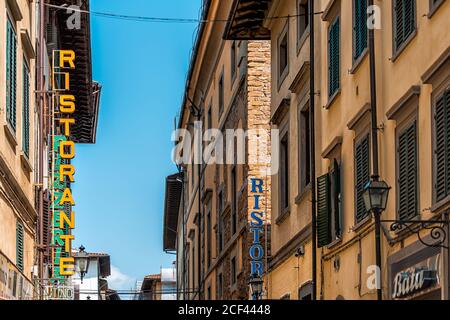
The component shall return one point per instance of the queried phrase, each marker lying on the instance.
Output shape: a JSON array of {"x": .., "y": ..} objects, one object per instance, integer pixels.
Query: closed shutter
[
  {"x": 359, "y": 28},
  {"x": 19, "y": 246},
  {"x": 407, "y": 175},
  {"x": 337, "y": 199},
  {"x": 26, "y": 111},
  {"x": 405, "y": 20},
  {"x": 442, "y": 147},
  {"x": 11, "y": 74},
  {"x": 362, "y": 175},
  {"x": 323, "y": 211},
  {"x": 46, "y": 221},
  {"x": 333, "y": 57}
]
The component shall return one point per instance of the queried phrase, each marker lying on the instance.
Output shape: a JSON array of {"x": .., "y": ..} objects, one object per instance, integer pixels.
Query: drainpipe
[
  {"x": 41, "y": 104},
  {"x": 313, "y": 150},
  {"x": 375, "y": 175}
]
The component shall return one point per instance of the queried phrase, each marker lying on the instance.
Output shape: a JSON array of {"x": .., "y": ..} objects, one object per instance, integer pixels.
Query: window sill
[
  {"x": 26, "y": 162},
  {"x": 357, "y": 63},
  {"x": 10, "y": 135},
  {"x": 404, "y": 45},
  {"x": 335, "y": 243},
  {"x": 302, "y": 195},
  {"x": 280, "y": 219},
  {"x": 332, "y": 99},
  {"x": 441, "y": 205},
  {"x": 363, "y": 223}
]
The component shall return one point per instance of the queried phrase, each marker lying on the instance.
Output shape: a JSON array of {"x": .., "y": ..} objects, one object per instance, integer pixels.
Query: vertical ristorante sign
[
  {"x": 257, "y": 225},
  {"x": 62, "y": 170}
]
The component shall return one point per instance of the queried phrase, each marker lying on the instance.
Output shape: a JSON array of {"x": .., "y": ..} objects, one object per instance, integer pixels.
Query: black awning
[
  {"x": 246, "y": 20},
  {"x": 174, "y": 189}
]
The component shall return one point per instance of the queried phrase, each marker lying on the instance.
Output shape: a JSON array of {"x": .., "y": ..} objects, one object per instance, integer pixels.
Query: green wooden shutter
[
  {"x": 334, "y": 57},
  {"x": 442, "y": 146},
  {"x": 323, "y": 211},
  {"x": 405, "y": 20},
  {"x": 362, "y": 175},
  {"x": 19, "y": 246},
  {"x": 336, "y": 198},
  {"x": 359, "y": 28},
  {"x": 407, "y": 175},
  {"x": 26, "y": 111},
  {"x": 11, "y": 61}
]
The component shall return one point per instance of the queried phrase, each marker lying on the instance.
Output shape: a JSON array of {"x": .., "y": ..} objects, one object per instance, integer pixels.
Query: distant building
[
  {"x": 162, "y": 286},
  {"x": 94, "y": 285}
]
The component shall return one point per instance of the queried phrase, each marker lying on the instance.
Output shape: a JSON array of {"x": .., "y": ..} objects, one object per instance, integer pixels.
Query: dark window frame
[
  {"x": 221, "y": 94},
  {"x": 434, "y": 7},
  {"x": 11, "y": 90},
  {"x": 358, "y": 141},
  {"x": 332, "y": 94},
  {"x": 233, "y": 61},
  {"x": 26, "y": 87},
  {"x": 282, "y": 74},
  {"x": 304, "y": 148},
  {"x": 234, "y": 200},
  {"x": 303, "y": 26},
  {"x": 397, "y": 49},
  {"x": 357, "y": 58},
  {"x": 283, "y": 181}
]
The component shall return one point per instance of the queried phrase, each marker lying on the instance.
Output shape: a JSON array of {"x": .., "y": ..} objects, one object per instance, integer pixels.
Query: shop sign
[
  {"x": 257, "y": 228},
  {"x": 60, "y": 292},
  {"x": 413, "y": 280}
]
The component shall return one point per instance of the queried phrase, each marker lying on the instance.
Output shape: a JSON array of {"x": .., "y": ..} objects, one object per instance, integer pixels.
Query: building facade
[
  {"x": 18, "y": 155},
  {"x": 228, "y": 88}
]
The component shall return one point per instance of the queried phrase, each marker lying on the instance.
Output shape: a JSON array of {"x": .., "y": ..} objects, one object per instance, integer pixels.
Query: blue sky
[{"x": 119, "y": 188}]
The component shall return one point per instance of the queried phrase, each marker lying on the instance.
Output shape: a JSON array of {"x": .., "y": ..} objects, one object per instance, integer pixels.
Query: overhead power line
[{"x": 164, "y": 19}]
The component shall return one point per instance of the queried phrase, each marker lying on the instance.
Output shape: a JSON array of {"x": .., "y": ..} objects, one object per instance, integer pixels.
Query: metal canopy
[{"x": 246, "y": 20}]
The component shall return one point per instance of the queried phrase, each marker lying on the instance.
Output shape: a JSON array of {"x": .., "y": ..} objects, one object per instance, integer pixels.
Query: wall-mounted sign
[
  {"x": 59, "y": 293},
  {"x": 257, "y": 228},
  {"x": 62, "y": 153},
  {"x": 413, "y": 280}
]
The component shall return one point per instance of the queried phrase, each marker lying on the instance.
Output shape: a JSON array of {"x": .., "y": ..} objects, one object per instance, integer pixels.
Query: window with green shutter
[
  {"x": 11, "y": 74},
  {"x": 404, "y": 21},
  {"x": 329, "y": 220},
  {"x": 442, "y": 146},
  {"x": 334, "y": 57},
  {"x": 26, "y": 111},
  {"x": 362, "y": 176},
  {"x": 19, "y": 246},
  {"x": 407, "y": 173},
  {"x": 359, "y": 28}
]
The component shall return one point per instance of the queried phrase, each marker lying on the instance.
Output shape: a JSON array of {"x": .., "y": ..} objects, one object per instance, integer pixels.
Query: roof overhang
[
  {"x": 86, "y": 92},
  {"x": 246, "y": 21},
  {"x": 174, "y": 187}
]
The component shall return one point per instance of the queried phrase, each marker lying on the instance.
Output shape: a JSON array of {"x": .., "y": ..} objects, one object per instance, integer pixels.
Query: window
[
  {"x": 11, "y": 74},
  {"x": 304, "y": 149},
  {"x": 208, "y": 237},
  {"x": 284, "y": 174},
  {"x": 234, "y": 201},
  {"x": 329, "y": 208},
  {"x": 305, "y": 292},
  {"x": 359, "y": 28},
  {"x": 302, "y": 19},
  {"x": 334, "y": 57},
  {"x": 221, "y": 96},
  {"x": 19, "y": 246},
  {"x": 210, "y": 117},
  {"x": 219, "y": 286},
  {"x": 26, "y": 111},
  {"x": 233, "y": 271},
  {"x": 209, "y": 296},
  {"x": 404, "y": 22},
  {"x": 407, "y": 181},
  {"x": 283, "y": 55},
  {"x": 220, "y": 222},
  {"x": 442, "y": 146},
  {"x": 233, "y": 60},
  {"x": 287, "y": 296},
  {"x": 434, "y": 5},
  {"x": 362, "y": 176}
]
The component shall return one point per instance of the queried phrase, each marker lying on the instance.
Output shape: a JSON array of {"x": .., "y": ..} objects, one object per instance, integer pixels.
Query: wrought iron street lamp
[
  {"x": 256, "y": 285},
  {"x": 375, "y": 195},
  {"x": 82, "y": 262}
]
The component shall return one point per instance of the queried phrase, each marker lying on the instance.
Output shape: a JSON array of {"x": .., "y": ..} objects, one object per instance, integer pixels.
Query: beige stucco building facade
[
  {"x": 18, "y": 216},
  {"x": 412, "y": 48}
]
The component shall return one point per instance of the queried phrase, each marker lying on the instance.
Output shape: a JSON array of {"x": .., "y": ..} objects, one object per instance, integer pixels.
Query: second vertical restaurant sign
[{"x": 63, "y": 152}]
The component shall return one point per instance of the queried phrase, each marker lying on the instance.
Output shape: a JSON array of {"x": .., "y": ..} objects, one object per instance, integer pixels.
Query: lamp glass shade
[
  {"x": 82, "y": 262},
  {"x": 375, "y": 195}
]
